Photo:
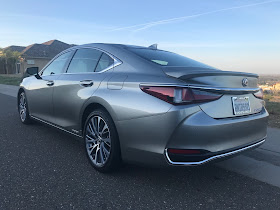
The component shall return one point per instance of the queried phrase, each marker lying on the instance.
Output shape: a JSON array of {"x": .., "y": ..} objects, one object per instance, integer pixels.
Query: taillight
[
  {"x": 259, "y": 94},
  {"x": 179, "y": 95}
]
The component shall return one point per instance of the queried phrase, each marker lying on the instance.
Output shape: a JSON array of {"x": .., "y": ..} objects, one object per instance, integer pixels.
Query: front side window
[
  {"x": 104, "y": 62},
  {"x": 84, "y": 60},
  {"x": 58, "y": 65}
]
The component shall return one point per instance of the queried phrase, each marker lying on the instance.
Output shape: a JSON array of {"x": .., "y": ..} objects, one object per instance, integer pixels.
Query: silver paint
[{"x": 146, "y": 125}]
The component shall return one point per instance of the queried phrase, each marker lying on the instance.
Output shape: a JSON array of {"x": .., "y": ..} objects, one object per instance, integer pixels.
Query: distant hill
[{"x": 269, "y": 79}]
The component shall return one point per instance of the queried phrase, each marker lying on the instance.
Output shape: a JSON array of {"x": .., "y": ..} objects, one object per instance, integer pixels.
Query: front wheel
[
  {"x": 23, "y": 109},
  {"x": 101, "y": 141}
]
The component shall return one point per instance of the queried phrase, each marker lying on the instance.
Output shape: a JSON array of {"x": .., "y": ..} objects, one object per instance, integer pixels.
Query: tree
[{"x": 10, "y": 59}]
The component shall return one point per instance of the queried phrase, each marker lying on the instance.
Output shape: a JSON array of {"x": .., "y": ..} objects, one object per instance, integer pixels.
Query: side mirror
[{"x": 32, "y": 70}]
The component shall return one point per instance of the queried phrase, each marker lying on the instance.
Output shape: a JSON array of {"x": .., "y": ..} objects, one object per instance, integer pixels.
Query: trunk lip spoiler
[
  {"x": 206, "y": 88},
  {"x": 200, "y": 71}
]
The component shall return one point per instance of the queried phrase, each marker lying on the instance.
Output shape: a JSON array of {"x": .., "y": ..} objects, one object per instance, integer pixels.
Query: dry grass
[{"x": 273, "y": 107}]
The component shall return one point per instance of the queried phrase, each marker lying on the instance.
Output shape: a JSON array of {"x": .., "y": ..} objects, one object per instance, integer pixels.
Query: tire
[
  {"x": 102, "y": 142},
  {"x": 23, "y": 109}
]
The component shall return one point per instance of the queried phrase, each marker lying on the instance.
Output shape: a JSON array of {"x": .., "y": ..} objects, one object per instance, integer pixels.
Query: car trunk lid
[
  {"x": 213, "y": 77},
  {"x": 237, "y": 89}
]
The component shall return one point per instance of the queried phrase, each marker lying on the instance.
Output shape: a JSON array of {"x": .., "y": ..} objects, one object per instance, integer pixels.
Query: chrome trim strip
[
  {"x": 213, "y": 157},
  {"x": 116, "y": 63},
  {"x": 48, "y": 123},
  {"x": 226, "y": 89},
  {"x": 253, "y": 90}
]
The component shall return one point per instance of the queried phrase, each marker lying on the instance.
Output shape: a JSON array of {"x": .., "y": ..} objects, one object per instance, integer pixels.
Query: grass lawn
[
  {"x": 10, "y": 79},
  {"x": 274, "y": 114},
  {"x": 273, "y": 107}
]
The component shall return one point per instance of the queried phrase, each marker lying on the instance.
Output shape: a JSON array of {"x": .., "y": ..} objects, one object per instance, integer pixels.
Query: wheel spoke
[
  {"x": 90, "y": 130},
  {"x": 24, "y": 115},
  {"x": 105, "y": 151},
  {"x": 98, "y": 124},
  {"x": 101, "y": 155},
  {"x": 89, "y": 139},
  {"x": 104, "y": 128},
  {"x": 107, "y": 141},
  {"x": 95, "y": 158},
  {"x": 92, "y": 148},
  {"x": 94, "y": 127}
]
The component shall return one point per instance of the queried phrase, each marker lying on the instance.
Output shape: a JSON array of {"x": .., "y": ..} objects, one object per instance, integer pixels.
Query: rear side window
[
  {"x": 165, "y": 58},
  {"x": 104, "y": 62},
  {"x": 84, "y": 60},
  {"x": 58, "y": 65}
]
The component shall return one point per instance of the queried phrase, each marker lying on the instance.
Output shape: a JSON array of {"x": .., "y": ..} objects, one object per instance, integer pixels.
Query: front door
[
  {"x": 40, "y": 94},
  {"x": 78, "y": 84}
]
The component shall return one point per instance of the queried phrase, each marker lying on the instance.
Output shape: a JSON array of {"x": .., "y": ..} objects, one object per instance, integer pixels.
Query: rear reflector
[
  {"x": 179, "y": 95},
  {"x": 184, "y": 151}
]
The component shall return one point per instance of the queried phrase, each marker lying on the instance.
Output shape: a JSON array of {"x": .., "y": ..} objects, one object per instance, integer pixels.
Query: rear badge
[{"x": 245, "y": 82}]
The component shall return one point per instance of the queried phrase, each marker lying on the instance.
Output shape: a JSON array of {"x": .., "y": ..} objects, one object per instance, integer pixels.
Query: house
[
  {"x": 35, "y": 55},
  {"x": 15, "y": 48},
  {"x": 40, "y": 54}
]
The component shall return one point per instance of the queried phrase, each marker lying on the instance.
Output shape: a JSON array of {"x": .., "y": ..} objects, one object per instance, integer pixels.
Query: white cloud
[{"x": 143, "y": 26}]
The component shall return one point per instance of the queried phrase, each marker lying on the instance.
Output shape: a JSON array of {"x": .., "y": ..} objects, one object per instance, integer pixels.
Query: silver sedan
[{"x": 145, "y": 105}]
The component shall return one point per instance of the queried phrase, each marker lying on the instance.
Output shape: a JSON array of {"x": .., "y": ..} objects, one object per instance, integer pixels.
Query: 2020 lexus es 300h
[{"x": 145, "y": 105}]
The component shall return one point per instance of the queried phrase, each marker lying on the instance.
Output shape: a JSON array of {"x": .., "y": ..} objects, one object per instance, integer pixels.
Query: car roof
[{"x": 108, "y": 45}]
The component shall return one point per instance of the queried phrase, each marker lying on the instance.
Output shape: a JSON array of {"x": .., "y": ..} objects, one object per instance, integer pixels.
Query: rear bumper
[
  {"x": 189, "y": 128},
  {"x": 187, "y": 160},
  {"x": 200, "y": 131}
]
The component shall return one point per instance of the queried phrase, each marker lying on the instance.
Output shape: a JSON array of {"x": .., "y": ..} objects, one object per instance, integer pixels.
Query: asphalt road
[{"x": 42, "y": 168}]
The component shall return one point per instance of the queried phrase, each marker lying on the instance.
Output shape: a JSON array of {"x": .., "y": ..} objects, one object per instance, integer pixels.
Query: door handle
[
  {"x": 50, "y": 83},
  {"x": 86, "y": 83}
]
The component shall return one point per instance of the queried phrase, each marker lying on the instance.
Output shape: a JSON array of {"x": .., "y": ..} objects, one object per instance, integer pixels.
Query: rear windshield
[{"x": 165, "y": 58}]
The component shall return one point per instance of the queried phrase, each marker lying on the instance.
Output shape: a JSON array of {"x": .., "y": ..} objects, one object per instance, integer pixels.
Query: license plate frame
[{"x": 241, "y": 105}]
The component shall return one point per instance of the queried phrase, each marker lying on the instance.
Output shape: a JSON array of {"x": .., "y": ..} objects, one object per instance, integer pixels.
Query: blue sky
[{"x": 237, "y": 35}]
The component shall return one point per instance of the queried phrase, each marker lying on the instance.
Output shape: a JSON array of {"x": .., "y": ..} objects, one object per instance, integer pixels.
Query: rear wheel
[
  {"x": 23, "y": 109},
  {"x": 101, "y": 141}
]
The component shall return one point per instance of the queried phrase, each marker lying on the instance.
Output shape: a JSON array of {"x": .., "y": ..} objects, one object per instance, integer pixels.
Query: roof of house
[
  {"x": 15, "y": 48},
  {"x": 47, "y": 49}
]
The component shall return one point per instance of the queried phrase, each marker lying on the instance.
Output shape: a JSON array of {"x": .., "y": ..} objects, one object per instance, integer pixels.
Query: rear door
[
  {"x": 40, "y": 94},
  {"x": 85, "y": 72}
]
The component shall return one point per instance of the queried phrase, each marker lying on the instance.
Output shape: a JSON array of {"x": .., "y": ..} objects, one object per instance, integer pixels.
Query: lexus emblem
[{"x": 245, "y": 82}]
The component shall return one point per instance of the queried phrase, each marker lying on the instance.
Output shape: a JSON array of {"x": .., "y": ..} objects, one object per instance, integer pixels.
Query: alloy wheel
[{"x": 98, "y": 141}]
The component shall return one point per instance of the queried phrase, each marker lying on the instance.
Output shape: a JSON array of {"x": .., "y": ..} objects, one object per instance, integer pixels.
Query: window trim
[
  {"x": 98, "y": 61},
  {"x": 52, "y": 60},
  {"x": 116, "y": 63}
]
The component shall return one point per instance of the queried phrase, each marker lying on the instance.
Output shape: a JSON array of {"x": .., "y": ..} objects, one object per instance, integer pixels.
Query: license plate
[{"x": 241, "y": 105}]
